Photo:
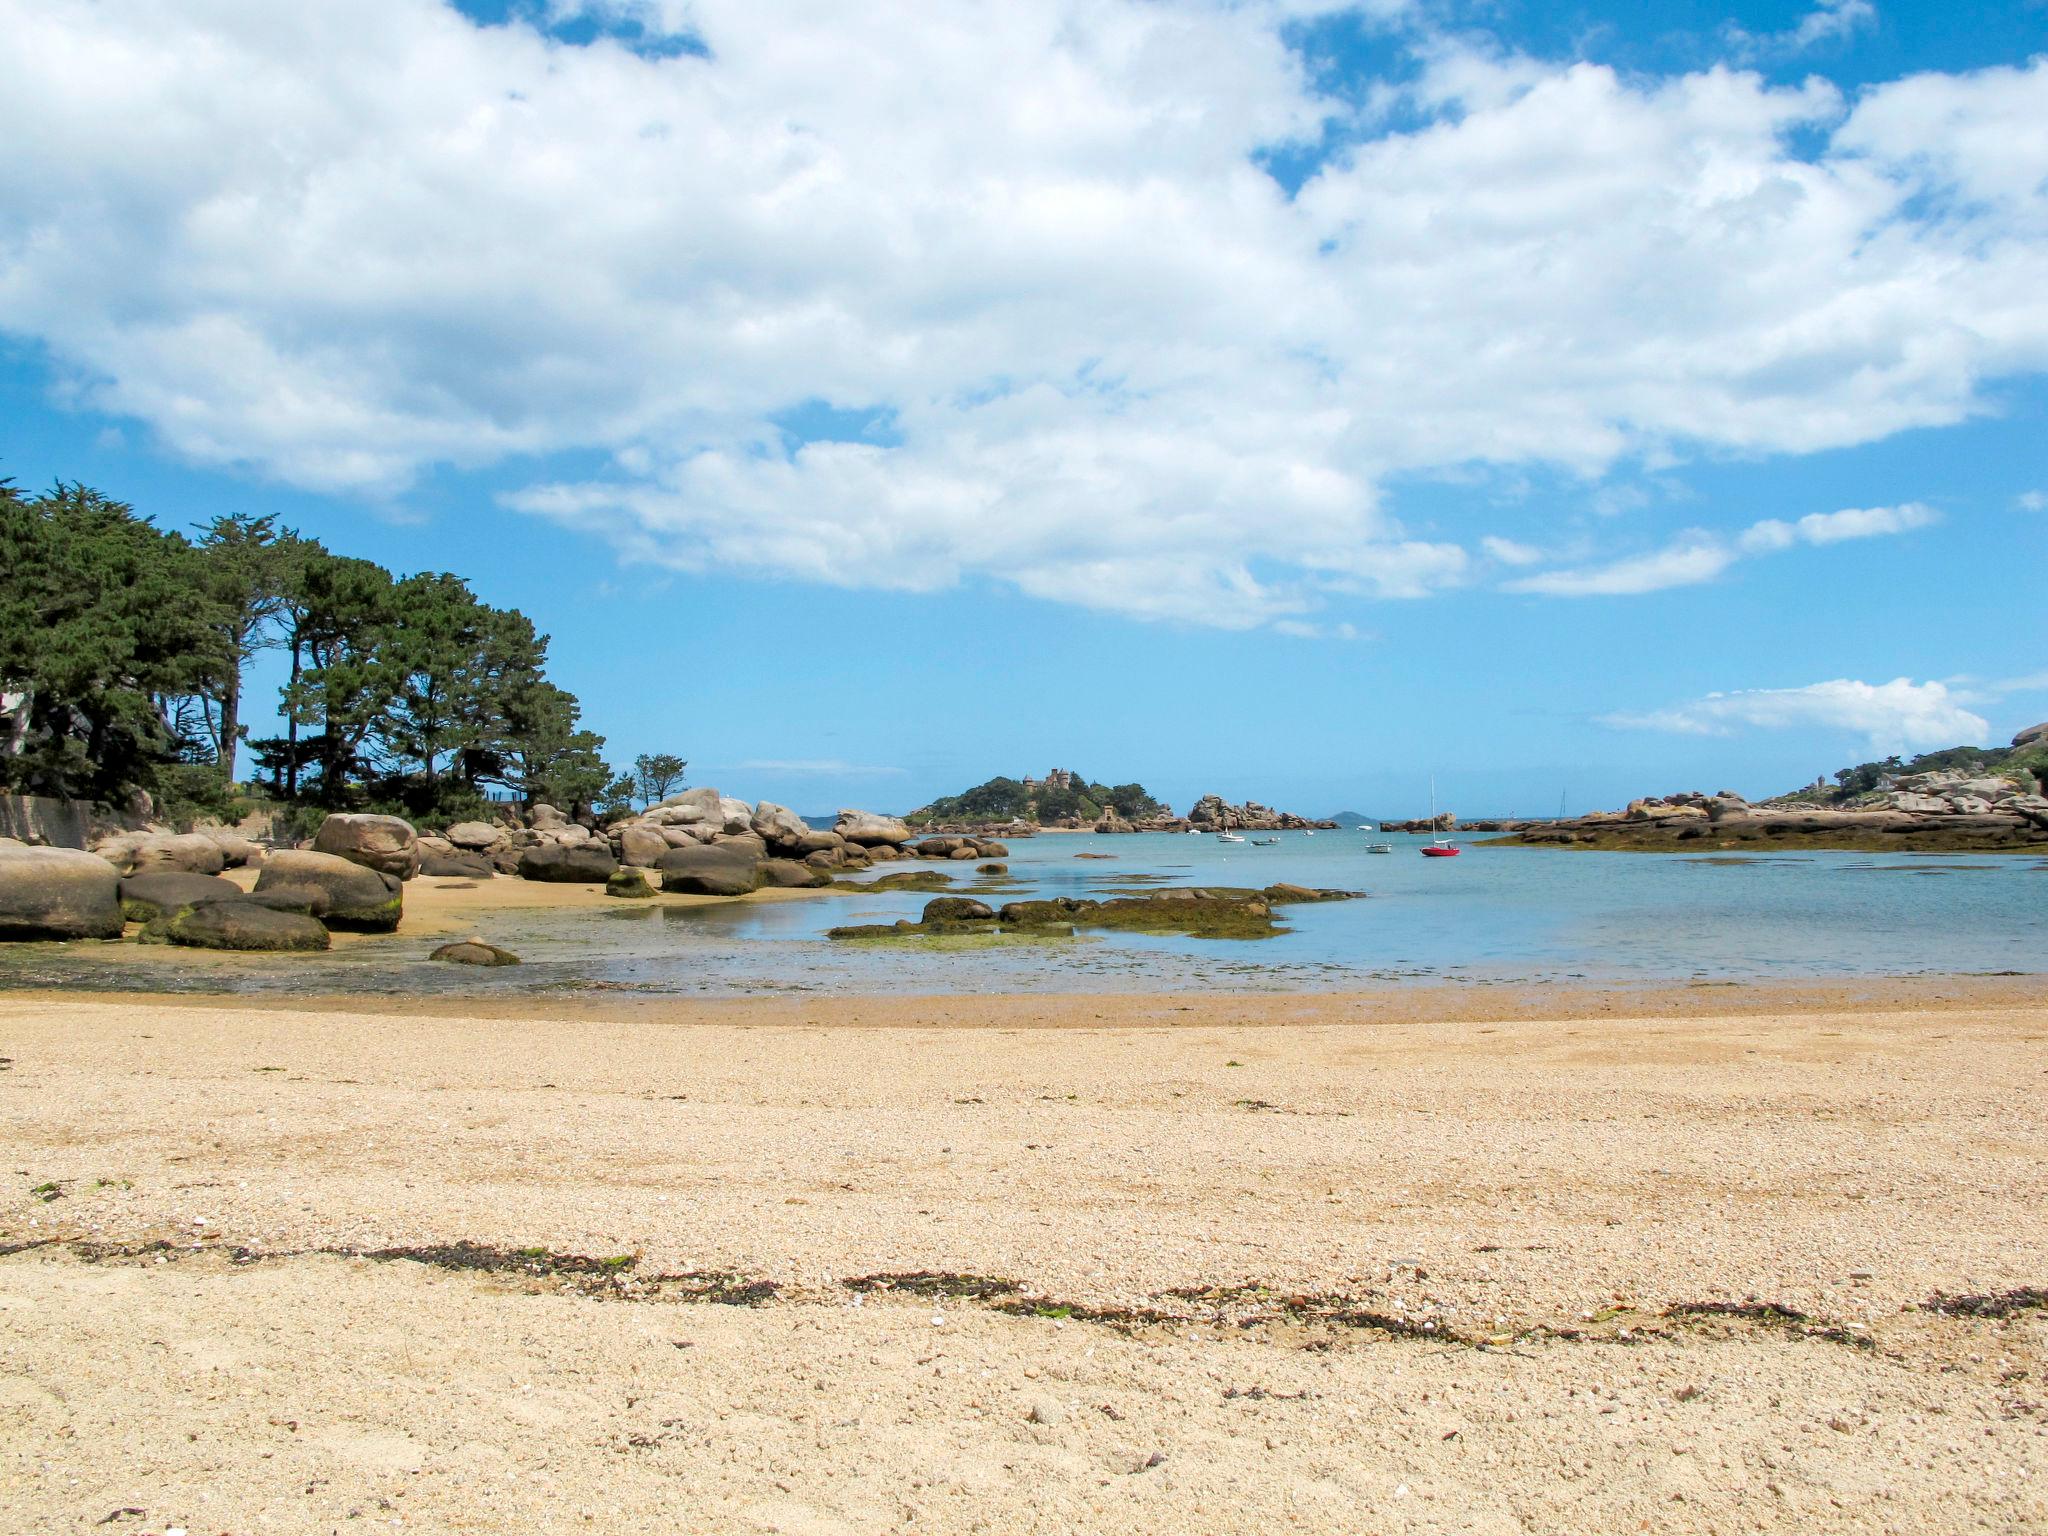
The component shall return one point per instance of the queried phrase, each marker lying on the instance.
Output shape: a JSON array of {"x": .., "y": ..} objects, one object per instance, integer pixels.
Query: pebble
[{"x": 1044, "y": 1410}]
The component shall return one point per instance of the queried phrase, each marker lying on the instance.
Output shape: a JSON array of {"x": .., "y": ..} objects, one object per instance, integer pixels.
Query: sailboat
[{"x": 1439, "y": 847}]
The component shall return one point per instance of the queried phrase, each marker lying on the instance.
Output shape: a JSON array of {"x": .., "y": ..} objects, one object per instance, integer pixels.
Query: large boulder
[
  {"x": 2033, "y": 736},
  {"x": 745, "y": 842},
  {"x": 780, "y": 827},
  {"x": 792, "y": 874},
  {"x": 358, "y": 898},
  {"x": 568, "y": 864},
  {"x": 479, "y": 835},
  {"x": 144, "y": 898},
  {"x": 710, "y": 869},
  {"x": 387, "y": 844},
  {"x": 866, "y": 828},
  {"x": 545, "y": 818},
  {"x": 177, "y": 853},
  {"x": 242, "y": 925},
  {"x": 457, "y": 866},
  {"x": 57, "y": 893},
  {"x": 642, "y": 846},
  {"x": 687, "y": 807}
]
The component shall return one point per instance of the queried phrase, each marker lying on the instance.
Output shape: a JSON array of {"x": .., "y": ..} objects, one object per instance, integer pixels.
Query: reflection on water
[{"x": 1496, "y": 914}]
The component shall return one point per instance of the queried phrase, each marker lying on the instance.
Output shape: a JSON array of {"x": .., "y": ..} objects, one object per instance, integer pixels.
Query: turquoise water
[{"x": 1493, "y": 914}]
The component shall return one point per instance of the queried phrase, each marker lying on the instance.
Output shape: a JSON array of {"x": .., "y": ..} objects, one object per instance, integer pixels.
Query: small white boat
[
  {"x": 1265, "y": 842},
  {"x": 1307, "y": 833},
  {"x": 1366, "y": 826},
  {"x": 1228, "y": 837},
  {"x": 1379, "y": 847}
]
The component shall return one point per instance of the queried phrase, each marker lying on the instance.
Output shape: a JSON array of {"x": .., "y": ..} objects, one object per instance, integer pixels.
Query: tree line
[{"x": 124, "y": 648}]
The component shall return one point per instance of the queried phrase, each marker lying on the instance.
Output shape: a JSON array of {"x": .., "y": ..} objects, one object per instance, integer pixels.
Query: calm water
[{"x": 1494, "y": 914}]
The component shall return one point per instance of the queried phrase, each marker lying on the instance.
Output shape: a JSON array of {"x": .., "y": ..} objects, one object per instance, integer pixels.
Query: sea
[{"x": 1494, "y": 914}]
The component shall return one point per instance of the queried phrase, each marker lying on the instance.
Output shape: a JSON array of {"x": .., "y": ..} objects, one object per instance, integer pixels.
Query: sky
[{"x": 1279, "y": 398}]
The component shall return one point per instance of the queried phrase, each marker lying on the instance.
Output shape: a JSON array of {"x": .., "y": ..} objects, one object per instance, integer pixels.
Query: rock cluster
[{"x": 1212, "y": 813}]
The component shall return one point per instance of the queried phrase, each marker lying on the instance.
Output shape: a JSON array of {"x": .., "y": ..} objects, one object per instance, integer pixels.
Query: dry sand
[{"x": 1308, "y": 1263}]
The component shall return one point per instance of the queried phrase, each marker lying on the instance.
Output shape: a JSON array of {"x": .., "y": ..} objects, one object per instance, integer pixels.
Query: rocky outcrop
[
  {"x": 1212, "y": 813},
  {"x": 358, "y": 898},
  {"x": 867, "y": 829},
  {"x": 387, "y": 844},
  {"x": 1958, "y": 812},
  {"x": 57, "y": 893}
]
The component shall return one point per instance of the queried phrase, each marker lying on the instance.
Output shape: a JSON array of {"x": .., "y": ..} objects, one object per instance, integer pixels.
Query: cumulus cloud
[
  {"x": 1118, "y": 364},
  {"x": 1898, "y": 716},
  {"x": 1697, "y": 556},
  {"x": 2032, "y": 501}
]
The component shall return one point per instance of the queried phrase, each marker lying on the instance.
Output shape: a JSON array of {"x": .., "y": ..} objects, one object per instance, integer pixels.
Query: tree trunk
[
  {"x": 291, "y": 728},
  {"x": 230, "y": 721}
]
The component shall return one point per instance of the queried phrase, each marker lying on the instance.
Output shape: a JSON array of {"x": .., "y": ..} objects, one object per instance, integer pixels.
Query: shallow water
[{"x": 1494, "y": 914}]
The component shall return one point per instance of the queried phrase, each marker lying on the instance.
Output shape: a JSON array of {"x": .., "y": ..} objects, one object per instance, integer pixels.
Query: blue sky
[{"x": 1280, "y": 399}]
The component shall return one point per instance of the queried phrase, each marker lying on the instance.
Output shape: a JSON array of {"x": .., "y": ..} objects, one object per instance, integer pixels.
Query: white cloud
[
  {"x": 1898, "y": 716},
  {"x": 1829, "y": 21},
  {"x": 1508, "y": 552},
  {"x": 2032, "y": 501},
  {"x": 340, "y": 243},
  {"x": 1693, "y": 559},
  {"x": 1698, "y": 556}
]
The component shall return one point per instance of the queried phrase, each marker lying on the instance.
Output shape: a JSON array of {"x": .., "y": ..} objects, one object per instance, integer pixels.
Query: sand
[{"x": 1435, "y": 1260}]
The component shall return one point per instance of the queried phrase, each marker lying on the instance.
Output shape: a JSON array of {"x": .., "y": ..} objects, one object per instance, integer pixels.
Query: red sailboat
[{"x": 1439, "y": 847}]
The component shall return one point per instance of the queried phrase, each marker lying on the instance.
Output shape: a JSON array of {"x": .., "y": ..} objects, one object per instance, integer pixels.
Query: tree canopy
[{"x": 123, "y": 649}]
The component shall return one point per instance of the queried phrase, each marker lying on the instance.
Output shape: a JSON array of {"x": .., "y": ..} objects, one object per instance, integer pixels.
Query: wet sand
[{"x": 1460, "y": 1259}]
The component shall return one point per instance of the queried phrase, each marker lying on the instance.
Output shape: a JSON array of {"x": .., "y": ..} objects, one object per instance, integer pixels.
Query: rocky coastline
[
  {"x": 160, "y": 886},
  {"x": 1943, "y": 811}
]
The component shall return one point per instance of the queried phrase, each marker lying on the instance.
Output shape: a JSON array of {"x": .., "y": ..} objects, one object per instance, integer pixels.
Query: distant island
[
  {"x": 1958, "y": 800},
  {"x": 1067, "y": 801}
]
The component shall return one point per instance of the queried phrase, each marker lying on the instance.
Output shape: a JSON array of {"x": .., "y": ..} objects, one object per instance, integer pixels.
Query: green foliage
[
  {"x": 656, "y": 774},
  {"x": 124, "y": 647},
  {"x": 105, "y": 623},
  {"x": 189, "y": 792}
]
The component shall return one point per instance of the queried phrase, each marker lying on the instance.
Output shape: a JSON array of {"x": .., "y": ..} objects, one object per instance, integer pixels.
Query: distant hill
[
  {"x": 1352, "y": 819},
  {"x": 1061, "y": 794}
]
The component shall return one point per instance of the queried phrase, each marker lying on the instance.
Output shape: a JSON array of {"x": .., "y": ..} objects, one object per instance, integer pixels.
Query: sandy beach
[{"x": 1445, "y": 1259}]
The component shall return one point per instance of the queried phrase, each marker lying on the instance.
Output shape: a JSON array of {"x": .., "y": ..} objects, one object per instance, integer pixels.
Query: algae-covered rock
[
  {"x": 630, "y": 882},
  {"x": 144, "y": 898},
  {"x": 956, "y": 909},
  {"x": 244, "y": 925}
]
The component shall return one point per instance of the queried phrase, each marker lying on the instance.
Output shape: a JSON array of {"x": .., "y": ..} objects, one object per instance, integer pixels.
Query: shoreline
[{"x": 1433, "y": 1001}]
